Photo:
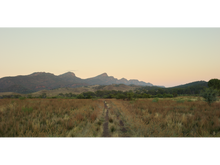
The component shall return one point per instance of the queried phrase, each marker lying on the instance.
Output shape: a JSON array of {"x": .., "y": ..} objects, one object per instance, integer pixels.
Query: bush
[
  {"x": 120, "y": 96},
  {"x": 80, "y": 96},
  {"x": 130, "y": 95},
  {"x": 167, "y": 95},
  {"x": 146, "y": 95},
  {"x": 180, "y": 101},
  {"x": 155, "y": 100},
  {"x": 112, "y": 129},
  {"x": 29, "y": 96},
  {"x": 210, "y": 95},
  {"x": 25, "y": 109},
  {"x": 22, "y": 98},
  {"x": 159, "y": 95}
]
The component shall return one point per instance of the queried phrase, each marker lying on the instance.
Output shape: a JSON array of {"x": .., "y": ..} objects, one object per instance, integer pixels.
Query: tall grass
[
  {"x": 170, "y": 118},
  {"x": 50, "y": 118}
]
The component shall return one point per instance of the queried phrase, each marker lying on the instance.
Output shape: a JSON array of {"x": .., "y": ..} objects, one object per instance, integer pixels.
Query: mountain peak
[
  {"x": 40, "y": 73},
  {"x": 68, "y": 74},
  {"x": 103, "y": 75}
]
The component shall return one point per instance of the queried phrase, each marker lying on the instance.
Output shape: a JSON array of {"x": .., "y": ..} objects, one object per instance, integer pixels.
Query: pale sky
[{"x": 161, "y": 56}]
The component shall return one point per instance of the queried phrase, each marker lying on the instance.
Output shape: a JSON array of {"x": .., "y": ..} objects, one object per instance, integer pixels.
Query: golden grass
[
  {"x": 84, "y": 118},
  {"x": 50, "y": 118},
  {"x": 169, "y": 118}
]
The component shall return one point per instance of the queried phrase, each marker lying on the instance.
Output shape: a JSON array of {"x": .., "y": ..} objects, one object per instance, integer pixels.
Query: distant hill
[
  {"x": 193, "y": 84},
  {"x": 46, "y": 81},
  {"x": 93, "y": 88}
]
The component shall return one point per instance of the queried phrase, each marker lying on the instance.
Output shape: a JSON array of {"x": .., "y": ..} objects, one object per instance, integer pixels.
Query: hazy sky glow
[{"x": 161, "y": 56}]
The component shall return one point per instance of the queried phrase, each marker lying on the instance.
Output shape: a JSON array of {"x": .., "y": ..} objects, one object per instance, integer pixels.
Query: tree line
[{"x": 143, "y": 92}]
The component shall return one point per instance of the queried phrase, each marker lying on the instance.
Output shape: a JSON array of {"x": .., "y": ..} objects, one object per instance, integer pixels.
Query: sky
[{"x": 161, "y": 56}]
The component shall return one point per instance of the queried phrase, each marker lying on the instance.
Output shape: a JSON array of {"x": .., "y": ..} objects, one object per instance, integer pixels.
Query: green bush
[
  {"x": 167, "y": 95},
  {"x": 120, "y": 96},
  {"x": 159, "y": 95},
  {"x": 80, "y": 96},
  {"x": 180, "y": 101},
  {"x": 210, "y": 95},
  {"x": 112, "y": 129},
  {"x": 26, "y": 109},
  {"x": 22, "y": 98},
  {"x": 155, "y": 100}
]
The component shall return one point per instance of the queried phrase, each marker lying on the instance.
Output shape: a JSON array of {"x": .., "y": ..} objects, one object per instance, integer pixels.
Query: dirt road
[{"x": 106, "y": 134}]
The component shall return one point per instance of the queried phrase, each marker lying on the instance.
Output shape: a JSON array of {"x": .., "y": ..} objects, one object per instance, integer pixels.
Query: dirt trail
[
  {"x": 123, "y": 130},
  {"x": 105, "y": 125},
  {"x": 106, "y": 134}
]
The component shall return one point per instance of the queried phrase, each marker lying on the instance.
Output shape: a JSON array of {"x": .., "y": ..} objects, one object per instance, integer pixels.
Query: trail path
[
  {"x": 123, "y": 129},
  {"x": 106, "y": 134},
  {"x": 105, "y": 125}
]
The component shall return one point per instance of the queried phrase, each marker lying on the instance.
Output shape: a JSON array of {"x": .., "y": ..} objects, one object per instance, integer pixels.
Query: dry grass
[
  {"x": 85, "y": 118},
  {"x": 170, "y": 118},
  {"x": 50, "y": 118}
]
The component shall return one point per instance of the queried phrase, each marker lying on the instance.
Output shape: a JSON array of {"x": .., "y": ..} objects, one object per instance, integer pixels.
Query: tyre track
[
  {"x": 123, "y": 130},
  {"x": 105, "y": 125}
]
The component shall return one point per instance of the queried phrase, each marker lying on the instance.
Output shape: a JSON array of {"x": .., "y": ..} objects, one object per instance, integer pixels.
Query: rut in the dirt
[
  {"x": 123, "y": 130},
  {"x": 106, "y": 134},
  {"x": 105, "y": 125}
]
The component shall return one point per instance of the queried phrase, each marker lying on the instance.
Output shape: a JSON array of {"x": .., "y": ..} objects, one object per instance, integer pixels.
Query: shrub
[
  {"x": 120, "y": 96},
  {"x": 160, "y": 95},
  {"x": 155, "y": 100},
  {"x": 180, "y": 101},
  {"x": 210, "y": 95},
  {"x": 112, "y": 129},
  {"x": 110, "y": 120},
  {"x": 29, "y": 96},
  {"x": 26, "y": 109},
  {"x": 80, "y": 96},
  {"x": 22, "y": 98},
  {"x": 167, "y": 95},
  {"x": 130, "y": 95}
]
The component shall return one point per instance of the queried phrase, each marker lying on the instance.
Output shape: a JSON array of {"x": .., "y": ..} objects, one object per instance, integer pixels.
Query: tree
[
  {"x": 120, "y": 96},
  {"x": 210, "y": 95},
  {"x": 43, "y": 95},
  {"x": 130, "y": 95},
  {"x": 29, "y": 96},
  {"x": 88, "y": 96},
  {"x": 214, "y": 83},
  {"x": 80, "y": 96},
  {"x": 61, "y": 94}
]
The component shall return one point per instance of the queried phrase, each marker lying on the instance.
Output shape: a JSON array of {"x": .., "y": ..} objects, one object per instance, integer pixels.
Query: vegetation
[
  {"x": 210, "y": 95},
  {"x": 50, "y": 118},
  {"x": 214, "y": 83},
  {"x": 168, "y": 118}
]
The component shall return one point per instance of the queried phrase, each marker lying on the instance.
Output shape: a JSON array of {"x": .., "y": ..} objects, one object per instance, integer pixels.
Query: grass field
[
  {"x": 179, "y": 117},
  {"x": 169, "y": 118},
  {"x": 50, "y": 118}
]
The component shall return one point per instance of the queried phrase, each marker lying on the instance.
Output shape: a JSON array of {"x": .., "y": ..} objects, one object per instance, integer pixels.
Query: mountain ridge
[{"x": 46, "y": 81}]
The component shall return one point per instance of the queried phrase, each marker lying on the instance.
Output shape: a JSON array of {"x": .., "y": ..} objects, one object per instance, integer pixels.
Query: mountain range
[{"x": 45, "y": 81}]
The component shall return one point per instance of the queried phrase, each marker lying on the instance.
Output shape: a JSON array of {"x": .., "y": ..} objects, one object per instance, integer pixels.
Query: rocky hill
[{"x": 46, "y": 81}]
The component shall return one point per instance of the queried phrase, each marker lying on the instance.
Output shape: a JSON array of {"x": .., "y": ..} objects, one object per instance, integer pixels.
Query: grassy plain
[
  {"x": 50, "y": 118},
  {"x": 179, "y": 117}
]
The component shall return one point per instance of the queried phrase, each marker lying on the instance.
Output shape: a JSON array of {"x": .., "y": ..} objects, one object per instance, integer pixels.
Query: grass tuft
[
  {"x": 112, "y": 129},
  {"x": 155, "y": 100},
  {"x": 26, "y": 109},
  {"x": 111, "y": 120}
]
